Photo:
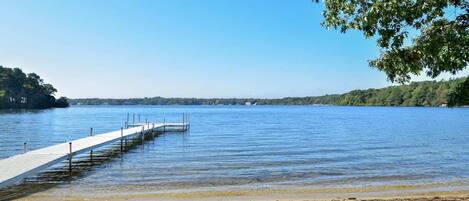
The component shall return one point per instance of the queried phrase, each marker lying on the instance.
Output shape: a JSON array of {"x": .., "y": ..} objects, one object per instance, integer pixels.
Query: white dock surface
[{"x": 17, "y": 167}]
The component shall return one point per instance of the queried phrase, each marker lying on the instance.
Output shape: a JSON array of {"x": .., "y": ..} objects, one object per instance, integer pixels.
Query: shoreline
[
  {"x": 445, "y": 191},
  {"x": 261, "y": 105}
]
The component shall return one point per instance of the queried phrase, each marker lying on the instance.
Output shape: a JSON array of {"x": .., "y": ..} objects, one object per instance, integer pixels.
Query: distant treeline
[
  {"x": 26, "y": 91},
  {"x": 454, "y": 92}
]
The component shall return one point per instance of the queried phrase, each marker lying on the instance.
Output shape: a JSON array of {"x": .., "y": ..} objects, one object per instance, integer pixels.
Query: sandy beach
[{"x": 418, "y": 192}]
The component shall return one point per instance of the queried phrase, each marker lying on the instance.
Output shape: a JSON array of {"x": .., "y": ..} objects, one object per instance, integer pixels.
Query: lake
[{"x": 245, "y": 147}]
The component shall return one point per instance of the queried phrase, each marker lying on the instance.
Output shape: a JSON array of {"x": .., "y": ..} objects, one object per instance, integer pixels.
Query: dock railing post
[
  {"x": 24, "y": 148},
  {"x": 70, "y": 157},
  {"x": 133, "y": 119},
  {"x": 143, "y": 134},
  {"x": 164, "y": 124},
  {"x": 127, "y": 121},
  {"x": 91, "y": 151},
  {"x": 185, "y": 122},
  {"x": 138, "y": 118}
]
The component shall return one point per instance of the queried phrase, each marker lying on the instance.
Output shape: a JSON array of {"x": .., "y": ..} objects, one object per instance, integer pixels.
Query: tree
[
  {"x": 460, "y": 96},
  {"x": 18, "y": 90},
  {"x": 414, "y": 35},
  {"x": 62, "y": 102}
]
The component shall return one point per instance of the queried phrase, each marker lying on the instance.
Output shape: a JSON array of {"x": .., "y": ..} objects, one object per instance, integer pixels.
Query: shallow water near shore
[{"x": 249, "y": 147}]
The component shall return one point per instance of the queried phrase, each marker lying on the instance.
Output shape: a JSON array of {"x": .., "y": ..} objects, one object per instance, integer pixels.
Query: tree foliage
[
  {"x": 460, "y": 96},
  {"x": 414, "y": 35},
  {"x": 427, "y": 93},
  {"x": 20, "y": 90}
]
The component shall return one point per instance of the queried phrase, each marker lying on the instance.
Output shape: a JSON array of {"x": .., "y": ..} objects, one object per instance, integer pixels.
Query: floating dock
[{"x": 15, "y": 168}]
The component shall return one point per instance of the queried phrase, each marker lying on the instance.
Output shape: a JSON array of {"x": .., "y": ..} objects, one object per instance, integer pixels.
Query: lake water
[{"x": 250, "y": 147}]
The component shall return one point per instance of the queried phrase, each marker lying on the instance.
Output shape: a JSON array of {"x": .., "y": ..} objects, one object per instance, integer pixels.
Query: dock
[{"x": 18, "y": 167}]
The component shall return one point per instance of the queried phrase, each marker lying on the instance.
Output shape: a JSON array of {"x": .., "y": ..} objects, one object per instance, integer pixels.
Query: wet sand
[{"x": 433, "y": 192}]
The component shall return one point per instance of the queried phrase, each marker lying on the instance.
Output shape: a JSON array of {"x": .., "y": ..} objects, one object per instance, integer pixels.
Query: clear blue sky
[{"x": 186, "y": 48}]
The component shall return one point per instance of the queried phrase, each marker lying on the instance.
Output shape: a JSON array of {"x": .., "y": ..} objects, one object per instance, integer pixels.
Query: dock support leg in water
[
  {"x": 143, "y": 135},
  {"x": 91, "y": 157},
  {"x": 122, "y": 135}
]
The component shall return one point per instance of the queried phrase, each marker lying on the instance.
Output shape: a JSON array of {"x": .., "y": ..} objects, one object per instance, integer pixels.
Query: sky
[{"x": 185, "y": 48}]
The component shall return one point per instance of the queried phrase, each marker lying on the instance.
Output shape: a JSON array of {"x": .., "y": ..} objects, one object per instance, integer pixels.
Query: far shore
[{"x": 166, "y": 105}]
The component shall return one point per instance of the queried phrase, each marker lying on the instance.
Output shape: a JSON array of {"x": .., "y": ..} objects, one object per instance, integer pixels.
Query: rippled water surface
[{"x": 251, "y": 146}]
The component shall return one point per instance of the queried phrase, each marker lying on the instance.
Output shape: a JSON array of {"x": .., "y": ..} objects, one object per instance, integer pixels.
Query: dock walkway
[{"x": 17, "y": 167}]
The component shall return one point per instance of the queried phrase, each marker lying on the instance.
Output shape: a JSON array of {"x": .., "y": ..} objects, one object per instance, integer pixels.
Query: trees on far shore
[
  {"x": 460, "y": 96},
  {"x": 453, "y": 92}
]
